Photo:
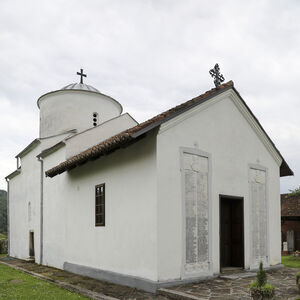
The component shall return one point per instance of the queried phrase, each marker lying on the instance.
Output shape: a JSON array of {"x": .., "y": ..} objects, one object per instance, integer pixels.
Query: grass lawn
[
  {"x": 17, "y": 285},
  {"x": 291, "y": 261}
]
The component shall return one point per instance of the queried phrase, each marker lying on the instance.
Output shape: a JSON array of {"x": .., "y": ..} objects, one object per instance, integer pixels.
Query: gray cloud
[{"x": 150, "y": 55}]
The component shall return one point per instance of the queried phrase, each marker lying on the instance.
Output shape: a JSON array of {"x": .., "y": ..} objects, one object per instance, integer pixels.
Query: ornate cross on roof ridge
[
  {"x": 81, "y": 75},
  {"x": 215, "y": 73}
]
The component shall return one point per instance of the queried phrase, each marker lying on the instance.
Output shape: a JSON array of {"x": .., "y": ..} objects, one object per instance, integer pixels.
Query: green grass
[
  {"x": 26, "y": 287},
  {"x": 291, "y": 261}
]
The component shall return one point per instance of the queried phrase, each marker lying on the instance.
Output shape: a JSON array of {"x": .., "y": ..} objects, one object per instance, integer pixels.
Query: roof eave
[
  {"x": 28, "y": 148},
  {"x": 285, "y": 170},
  {"x": 51, "y": 149},
  {"x": 13, "y": 174},
  {"x": 82, "y": 158},
  {"x": 158, "y": 123}
]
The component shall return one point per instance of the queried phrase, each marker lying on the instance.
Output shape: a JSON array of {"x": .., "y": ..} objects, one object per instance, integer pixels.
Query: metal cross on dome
[
  {"x": 215, "y": 73},
  {"x": 81, "y": 75}
]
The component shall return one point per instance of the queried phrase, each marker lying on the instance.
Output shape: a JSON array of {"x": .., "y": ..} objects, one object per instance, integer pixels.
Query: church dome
[
  {"x": 76, "y": 106},
  {"x": 80, "y": 86}
]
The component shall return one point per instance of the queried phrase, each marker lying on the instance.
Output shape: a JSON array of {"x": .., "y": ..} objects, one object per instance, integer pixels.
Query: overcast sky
[{"x": 150, "y": 55}]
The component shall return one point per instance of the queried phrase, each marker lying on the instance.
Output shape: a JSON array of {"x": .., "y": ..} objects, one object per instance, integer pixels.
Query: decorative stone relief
[
  {"x": 259, "y": 218},
  {"x": 196, "y": 212}
]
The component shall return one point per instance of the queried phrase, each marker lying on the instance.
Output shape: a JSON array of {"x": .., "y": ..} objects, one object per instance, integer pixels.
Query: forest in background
[{"x": 3, "y": 211}]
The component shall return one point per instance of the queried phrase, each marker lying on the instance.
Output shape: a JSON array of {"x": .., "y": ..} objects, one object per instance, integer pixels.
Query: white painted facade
[
  {"x": 69, "y": 225},
  {"x": 218, "y": 143},
  {"x": 220, "y": 129}
]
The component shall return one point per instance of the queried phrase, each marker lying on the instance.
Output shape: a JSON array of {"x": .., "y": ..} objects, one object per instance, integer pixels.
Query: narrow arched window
[
  {"x": 100, "y": 205},
  {"x": 95, "y": 119}
]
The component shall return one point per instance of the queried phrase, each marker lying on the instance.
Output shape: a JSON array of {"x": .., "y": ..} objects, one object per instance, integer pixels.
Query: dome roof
[{"x": 80, "y": 86}]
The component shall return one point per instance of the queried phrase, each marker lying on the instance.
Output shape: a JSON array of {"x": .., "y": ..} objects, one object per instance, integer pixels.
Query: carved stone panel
[
  {"x": 196, "y": 213},
  {"x": 259, "y": 218}
]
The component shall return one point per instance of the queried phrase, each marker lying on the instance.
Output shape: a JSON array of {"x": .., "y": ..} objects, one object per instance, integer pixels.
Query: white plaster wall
[
  {"x": 95, "y": 135},
  {"x": 128, "y": 242},
  {"x": 222, "y": 131},
  {"x": 54, "y": 213},
  {"x": 25, "y": 188},
  {"x": 69, "y": 109},
  {"x": 51, "y": 141}
]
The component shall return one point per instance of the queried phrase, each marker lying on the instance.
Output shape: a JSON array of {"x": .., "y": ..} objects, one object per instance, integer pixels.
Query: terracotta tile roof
[
  {"x": 290, "y": 206},
  {"x": 124, "y": 138}
]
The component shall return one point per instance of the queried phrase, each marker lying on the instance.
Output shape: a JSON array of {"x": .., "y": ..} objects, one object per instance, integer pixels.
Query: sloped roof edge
[
  {"x": 13, "y": 174},
  {"x": 28, "y": 148},
  {"x": 51, "y": 149},
  {"x": 124, "y": 138},
  {"x": 285, "y": 170}
]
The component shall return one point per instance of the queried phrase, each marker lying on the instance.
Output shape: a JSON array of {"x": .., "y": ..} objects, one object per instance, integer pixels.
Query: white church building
[{"x": 192, "y": 191}]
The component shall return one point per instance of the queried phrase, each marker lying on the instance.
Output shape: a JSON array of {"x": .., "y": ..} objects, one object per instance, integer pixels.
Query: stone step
[
  {"x": 235, "y": 276},
  {"x": 30, "y": 259}
]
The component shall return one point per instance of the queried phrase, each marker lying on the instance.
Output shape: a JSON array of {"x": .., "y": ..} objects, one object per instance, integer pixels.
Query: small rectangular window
[{"x": 100, "y": 205}]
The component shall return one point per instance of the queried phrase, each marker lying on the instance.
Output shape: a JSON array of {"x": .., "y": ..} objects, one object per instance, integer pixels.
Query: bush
[
  {"x": 260, "y": 289},
  {"x": 267, "y": 291},
  {"x": 298, "y": 280},
  {"x": 3, "y": 246}
]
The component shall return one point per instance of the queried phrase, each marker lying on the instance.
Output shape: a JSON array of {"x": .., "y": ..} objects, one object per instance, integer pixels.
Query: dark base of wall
[
  {"x": 279, "y": 266},
  {"x": 131, "y": 281}
]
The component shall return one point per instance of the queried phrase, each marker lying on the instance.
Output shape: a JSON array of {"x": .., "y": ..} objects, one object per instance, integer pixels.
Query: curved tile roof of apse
[{"x": 128, "y": 136}]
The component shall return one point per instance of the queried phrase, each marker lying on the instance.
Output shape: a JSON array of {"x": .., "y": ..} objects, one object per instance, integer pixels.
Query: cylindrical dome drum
[{"x": 76, "y": 106}]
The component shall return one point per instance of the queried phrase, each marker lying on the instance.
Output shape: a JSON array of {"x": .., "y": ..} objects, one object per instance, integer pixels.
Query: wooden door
[
  {"x": 225, "y": 224},
  {"x": 231, "y": 232},
  {"x": 31, "y": 244},
  {"x": 237, "y": 233}
]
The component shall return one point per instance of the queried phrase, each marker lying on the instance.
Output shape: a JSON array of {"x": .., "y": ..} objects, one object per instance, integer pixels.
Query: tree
[
  {"x": 3, "y": 211},
  {"x": 261, "y": 276},
  {"x": 293, "y": 193},
  {"x": 260, "y": 289}
]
